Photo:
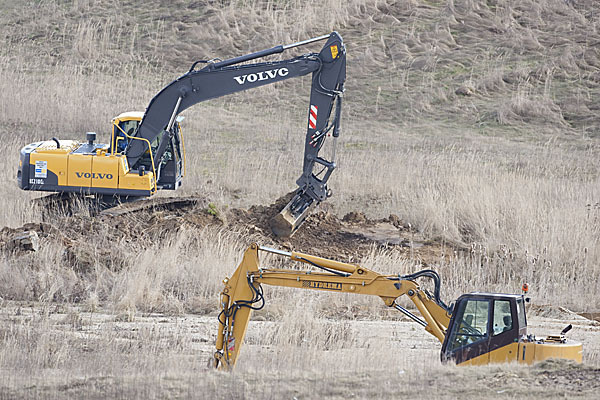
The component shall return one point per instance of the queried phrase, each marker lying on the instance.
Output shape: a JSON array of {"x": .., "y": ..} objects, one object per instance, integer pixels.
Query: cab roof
[
  {"x": 494, "y": 295},
  {"x": 129, "y": 116}
]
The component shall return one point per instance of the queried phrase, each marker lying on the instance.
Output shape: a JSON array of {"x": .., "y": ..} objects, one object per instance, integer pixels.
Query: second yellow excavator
[{"x": 480, "y": 328}]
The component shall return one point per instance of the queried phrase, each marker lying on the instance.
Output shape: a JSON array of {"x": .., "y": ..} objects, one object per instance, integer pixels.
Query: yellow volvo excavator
[
  {"x": 480, "y": 328},
  {"x": 146, "y": 151}
]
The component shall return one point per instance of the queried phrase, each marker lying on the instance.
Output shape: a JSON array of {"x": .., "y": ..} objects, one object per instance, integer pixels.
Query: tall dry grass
[
  {"x": 525, "y": 193},
  {"x": 524, "y": 198}
]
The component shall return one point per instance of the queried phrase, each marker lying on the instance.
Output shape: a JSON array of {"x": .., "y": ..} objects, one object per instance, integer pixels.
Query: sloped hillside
[{"x": 492, "y": 65}]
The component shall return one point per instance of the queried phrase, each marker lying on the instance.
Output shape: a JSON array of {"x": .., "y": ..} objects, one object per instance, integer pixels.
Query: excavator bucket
[{"x": 292, "y": 216}]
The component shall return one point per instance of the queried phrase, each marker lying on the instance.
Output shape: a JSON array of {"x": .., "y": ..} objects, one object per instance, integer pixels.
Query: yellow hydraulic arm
[{"x": 243, "y": 293}]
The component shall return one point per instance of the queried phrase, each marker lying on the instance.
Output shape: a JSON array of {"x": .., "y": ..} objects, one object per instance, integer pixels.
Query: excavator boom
[
  {"x": 243, "y": 293},
  {"x": 480, "y": 328},
  {"x": 216, "y": 79}
]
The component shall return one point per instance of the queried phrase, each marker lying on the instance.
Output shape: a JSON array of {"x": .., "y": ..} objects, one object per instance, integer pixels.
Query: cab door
[
  {"x": 469, "y": 332},
  {"x": 504, "y": 346}
]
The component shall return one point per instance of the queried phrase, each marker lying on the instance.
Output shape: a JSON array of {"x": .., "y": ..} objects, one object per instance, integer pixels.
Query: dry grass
[
  {"x": 476, "y": 122},
  {"x": 61, "y": 351}
]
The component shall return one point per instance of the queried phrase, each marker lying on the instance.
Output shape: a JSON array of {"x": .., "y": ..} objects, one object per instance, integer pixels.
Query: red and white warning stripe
[{"x": 312, "y": 118}]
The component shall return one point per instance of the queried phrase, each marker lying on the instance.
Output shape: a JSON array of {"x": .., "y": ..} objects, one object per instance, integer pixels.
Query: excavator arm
[
  {"x": 243, "y": 293},
  {"x": 216, "y": 79}
]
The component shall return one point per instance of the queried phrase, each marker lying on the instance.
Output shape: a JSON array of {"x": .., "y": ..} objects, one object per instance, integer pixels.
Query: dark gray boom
[{"x": 216, "y": 79}]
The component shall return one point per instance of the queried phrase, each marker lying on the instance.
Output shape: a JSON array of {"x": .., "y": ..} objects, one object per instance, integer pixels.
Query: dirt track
[{"x": 411, "y": 360}]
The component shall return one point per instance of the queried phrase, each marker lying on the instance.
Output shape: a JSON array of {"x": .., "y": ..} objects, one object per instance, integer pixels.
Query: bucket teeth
[{"x": 292, "y": 216}]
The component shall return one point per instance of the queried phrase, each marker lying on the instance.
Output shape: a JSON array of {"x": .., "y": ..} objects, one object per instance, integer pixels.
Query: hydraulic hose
[{"x": 437, "y": 282}]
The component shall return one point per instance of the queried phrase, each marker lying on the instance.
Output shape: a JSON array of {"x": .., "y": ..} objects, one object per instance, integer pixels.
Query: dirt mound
[
  {"x": 325, "y": 234},
  {"x": 25, "y": 238},
  {"x": 89, "y": 234}
]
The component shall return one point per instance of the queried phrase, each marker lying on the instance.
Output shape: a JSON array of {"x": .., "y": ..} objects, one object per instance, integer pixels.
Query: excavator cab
[
  {"x": 123, "y": 128},
  {"x": 485, "y": 328},
  {"x": 170, "y": 168}
]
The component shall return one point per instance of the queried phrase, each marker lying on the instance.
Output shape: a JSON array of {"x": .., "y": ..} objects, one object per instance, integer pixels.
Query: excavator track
[{"x": 74, "y": 203}]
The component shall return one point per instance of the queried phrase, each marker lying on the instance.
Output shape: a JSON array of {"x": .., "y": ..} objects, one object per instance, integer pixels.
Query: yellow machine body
[
  {"x": 529, "y": 352},
  {"x": 88, "y": 168},
  {"x": 471, "y": 332}
]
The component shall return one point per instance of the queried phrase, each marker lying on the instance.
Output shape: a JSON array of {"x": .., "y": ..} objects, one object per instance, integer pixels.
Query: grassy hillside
[{"x": 487, "y": 65}]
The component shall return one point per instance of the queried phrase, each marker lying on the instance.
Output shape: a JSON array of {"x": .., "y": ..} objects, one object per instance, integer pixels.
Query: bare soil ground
[
  {"x": 102, "y": 349},
  {"x": 145, "y": 222}
]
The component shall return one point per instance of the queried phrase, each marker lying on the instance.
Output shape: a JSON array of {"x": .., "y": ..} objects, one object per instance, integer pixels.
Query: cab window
[
  {"x": 502, "y": 317},
  {"x": 470, "y": 324},
  {"x": 521, "y": 313},
  {"x": 121, "y": 139}
]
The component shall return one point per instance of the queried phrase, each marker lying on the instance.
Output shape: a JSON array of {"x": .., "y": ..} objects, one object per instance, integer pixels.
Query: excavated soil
[
  {"x": 327, "y": 235},
  {"x": 78, "y": 226}
]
